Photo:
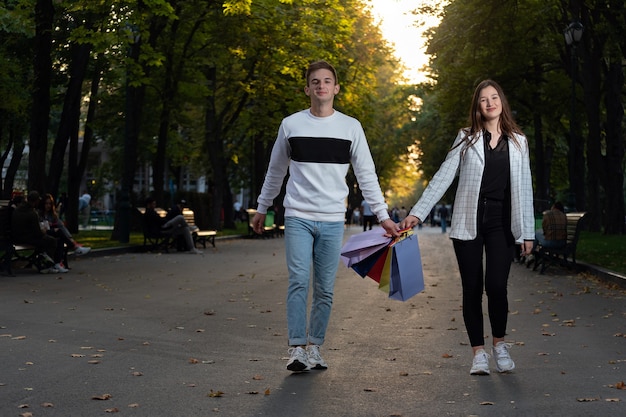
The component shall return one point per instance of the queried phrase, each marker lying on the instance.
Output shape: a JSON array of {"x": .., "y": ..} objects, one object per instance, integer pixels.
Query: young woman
[
  {"x": 56, "y": 228},
  {"x": 493, "y": 210}
]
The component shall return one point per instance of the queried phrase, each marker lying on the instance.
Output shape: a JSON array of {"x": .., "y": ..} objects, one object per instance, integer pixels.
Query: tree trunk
[
  {"x": 542, "y": 179},
  {"x": 42, "y": 73},
  {"x": 17, "y": 145},
  {"x": 70, "y": 117},
  {"x": 615, "y": 215},
  {"x": 214, "y": 149},
  {"x": 77, "y": 163}
]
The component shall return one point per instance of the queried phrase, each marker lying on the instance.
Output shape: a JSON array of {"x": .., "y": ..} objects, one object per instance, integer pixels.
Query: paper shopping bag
[{"x": 407, "y": 276}]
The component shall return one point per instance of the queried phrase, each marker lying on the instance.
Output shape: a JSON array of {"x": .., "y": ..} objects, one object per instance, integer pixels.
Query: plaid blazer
[{"x": 470, "y": 166}]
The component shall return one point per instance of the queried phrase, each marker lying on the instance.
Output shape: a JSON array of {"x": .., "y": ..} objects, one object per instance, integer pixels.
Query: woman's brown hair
[{"x": 507, "y": 123}]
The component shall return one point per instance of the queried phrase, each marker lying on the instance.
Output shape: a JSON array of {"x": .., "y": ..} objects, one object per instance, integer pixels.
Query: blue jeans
[
  {"x": 318, "y": 245},
  {"x": 551, "y": 244}
]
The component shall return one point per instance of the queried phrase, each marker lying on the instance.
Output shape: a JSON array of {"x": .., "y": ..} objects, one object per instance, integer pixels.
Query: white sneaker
[
  {"x": 195, "y": 251},
  {"x": 59, "y": 269},
  {"x": 480, "y": 364},
  {"x": 504, "y": 363},
  {"x": 298, "y": 360},
  {"x": 81, "y": 250},
  {"x": 314, "y": 357}
]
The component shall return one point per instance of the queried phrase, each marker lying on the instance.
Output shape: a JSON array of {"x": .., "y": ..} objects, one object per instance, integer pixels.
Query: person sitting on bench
[
  {"x": 175, "y": 226},
  {"x": 26, "y": 229},
  {"x": 553, "y": 232}
]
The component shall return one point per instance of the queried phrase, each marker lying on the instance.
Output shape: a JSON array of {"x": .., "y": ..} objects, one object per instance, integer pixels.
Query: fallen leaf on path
[
  {"x": 370, "y": 390},
  {"x": 267, "y": 391},
  {"x": 214, "y": 394},
  {"x": 447, "y": 356},
  {"x": 487, "y": 403},
  {"x": 47, "y": 405},
  {"x": 612, "y": 400},
  {"x": 112, "y": 410},
  {"x": 586, "y": 400},
  {"x": 102, "y": 397},
  {"x": 134, "y": 405}
]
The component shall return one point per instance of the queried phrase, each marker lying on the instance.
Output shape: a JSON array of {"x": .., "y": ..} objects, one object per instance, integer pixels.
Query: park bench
[
  {"x": 10, "y": 251},
  {"x": 199, "y": 236},
  {"x": 163, "y": 240},
  {"x": 151, "y": 241},
  {"x": 566, "y": 255}
]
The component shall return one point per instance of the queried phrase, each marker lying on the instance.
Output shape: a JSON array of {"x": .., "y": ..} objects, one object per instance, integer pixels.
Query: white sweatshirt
[{"x": 317, "y": 151}]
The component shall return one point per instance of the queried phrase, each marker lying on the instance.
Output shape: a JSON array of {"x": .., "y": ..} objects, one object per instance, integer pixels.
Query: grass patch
[
  {"x": 101, "y": 239},
  {"x": 602, "y": 250}
]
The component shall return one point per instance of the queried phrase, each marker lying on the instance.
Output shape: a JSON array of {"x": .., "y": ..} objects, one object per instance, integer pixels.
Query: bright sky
[{"x": 397, "y": 24}]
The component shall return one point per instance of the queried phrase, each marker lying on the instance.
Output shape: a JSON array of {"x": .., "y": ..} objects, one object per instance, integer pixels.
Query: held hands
[
  {"x": 258, "y": 223},
  {"x": 527, "y": 247},
  {"x": 409, "y": 222},
  {"x": 391, "y": 228}
]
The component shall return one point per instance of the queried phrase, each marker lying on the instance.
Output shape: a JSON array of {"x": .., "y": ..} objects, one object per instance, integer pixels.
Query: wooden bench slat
[{"x": 199, "y": 236}]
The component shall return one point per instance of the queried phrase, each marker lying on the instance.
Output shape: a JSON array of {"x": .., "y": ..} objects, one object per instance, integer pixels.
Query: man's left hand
[{"x": 390, "y": 227}]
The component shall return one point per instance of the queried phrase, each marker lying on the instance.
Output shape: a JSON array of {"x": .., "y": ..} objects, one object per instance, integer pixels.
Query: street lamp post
[{"x": 573, "y": 33}]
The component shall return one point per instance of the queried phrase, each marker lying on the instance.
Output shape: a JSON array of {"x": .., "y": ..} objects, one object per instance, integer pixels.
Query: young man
[{"x": 317, "y": 145}]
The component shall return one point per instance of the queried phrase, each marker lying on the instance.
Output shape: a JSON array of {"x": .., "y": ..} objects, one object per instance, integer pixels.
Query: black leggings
[{"x": 499, "y": 247}]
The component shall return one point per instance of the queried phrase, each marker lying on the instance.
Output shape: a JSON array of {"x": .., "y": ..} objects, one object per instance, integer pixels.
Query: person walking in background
[
  {"x": 369, "y": 218},
  {"x": 316, "y": 145},
  {"x": 443, "y": 217},
  {"x": 402, "y": 213},
  {"x": 84, "y": 208},
  {"x": 493, "y": 209}
]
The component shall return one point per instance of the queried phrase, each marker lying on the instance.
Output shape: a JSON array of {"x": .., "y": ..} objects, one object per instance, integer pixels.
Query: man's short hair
[
  {"x": 559, "y": 206},
  {"x": 314, "y": 66}
]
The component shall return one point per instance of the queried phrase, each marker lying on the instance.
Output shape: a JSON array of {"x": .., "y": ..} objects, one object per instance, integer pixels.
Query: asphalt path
[{"x": 144, "y": 334}]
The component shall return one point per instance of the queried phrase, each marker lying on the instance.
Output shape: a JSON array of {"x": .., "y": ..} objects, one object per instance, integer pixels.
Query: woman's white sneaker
[
  {"x": 504, "y": 363},
  {"x": 480, "y": 364}
]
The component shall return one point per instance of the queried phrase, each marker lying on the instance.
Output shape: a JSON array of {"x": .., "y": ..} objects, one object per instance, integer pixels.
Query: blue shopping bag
[{"x": 407, "y": 276}]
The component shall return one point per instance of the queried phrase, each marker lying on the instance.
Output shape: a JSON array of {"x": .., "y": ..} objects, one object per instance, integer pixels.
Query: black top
[{"x": 496, "y": 176}]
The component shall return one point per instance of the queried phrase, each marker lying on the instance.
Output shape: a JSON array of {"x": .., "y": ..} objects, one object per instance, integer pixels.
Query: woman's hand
[{"x": 409, "y": 222}]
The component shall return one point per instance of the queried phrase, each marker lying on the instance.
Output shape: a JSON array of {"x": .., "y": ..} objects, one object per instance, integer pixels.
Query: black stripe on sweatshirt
[{"x": 320, "y": 150}]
